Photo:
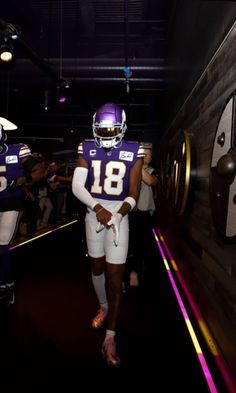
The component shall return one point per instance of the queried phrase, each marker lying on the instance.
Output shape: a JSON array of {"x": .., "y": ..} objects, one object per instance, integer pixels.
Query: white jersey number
[
  {"x": 114, "y": 177},
  {"x": 3, "y": 179}
]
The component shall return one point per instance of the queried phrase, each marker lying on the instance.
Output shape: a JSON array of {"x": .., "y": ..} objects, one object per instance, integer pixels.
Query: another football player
[
  {"x": 107, "y": 180},
  {"x": 17, "y": 167}
]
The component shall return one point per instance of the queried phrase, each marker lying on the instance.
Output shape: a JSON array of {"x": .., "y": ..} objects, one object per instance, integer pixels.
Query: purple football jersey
[
  {"x": 10, "y": 169},
  {"x": 108, "y": 176}
]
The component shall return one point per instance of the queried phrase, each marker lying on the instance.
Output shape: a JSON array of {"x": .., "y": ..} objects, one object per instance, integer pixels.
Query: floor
[{"x": 47, "y": 342}]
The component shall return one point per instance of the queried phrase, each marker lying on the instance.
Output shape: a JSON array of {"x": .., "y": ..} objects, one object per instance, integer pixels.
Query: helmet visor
[{"x": 107, "y": 132}]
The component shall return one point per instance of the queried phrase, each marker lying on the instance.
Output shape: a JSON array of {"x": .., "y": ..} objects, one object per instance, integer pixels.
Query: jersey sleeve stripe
[
  {"x": 24, "y": 152},
  {"x": 140, "y": 152},
  {"x": 80, "y": 148}
]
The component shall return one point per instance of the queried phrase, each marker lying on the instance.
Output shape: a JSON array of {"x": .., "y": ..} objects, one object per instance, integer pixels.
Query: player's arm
[
  {"x": 80, "y": 191},
  {"x": 67, "y": 179},
  {"x": 130, "y": 201},
  {"x": 78, "y": 184},
  {"x": 149, "y": 179},
  {"x": 134, "y": 188},
  {"x": 34, "y": 171}
]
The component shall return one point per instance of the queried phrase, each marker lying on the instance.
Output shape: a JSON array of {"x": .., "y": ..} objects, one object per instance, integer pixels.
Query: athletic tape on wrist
[{"x": 131, "y": 201}]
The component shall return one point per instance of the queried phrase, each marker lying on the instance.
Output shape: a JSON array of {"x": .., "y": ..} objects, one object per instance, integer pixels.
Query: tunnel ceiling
[{"x": 91, "y": 45}]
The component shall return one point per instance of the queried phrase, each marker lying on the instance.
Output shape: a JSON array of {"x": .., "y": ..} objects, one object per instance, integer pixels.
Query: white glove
[
  {"x": 100, "y": 227},
  {"x": 115, "y": 224}
]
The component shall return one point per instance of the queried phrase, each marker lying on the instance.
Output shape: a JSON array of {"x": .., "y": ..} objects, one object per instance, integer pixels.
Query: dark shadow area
[{"x": 48, "y": 344}]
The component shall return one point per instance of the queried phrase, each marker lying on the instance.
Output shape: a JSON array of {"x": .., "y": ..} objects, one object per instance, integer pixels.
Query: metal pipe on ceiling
[
  {"x": 134, "y": 21},
  {"x": 105, "y": 63},
  {"x": 36, "y": 138},
  {"x": 39, "y": 62},
  {"x": 32, "y": 55},
  {"x": 39, "y": 81},
  {"x": 88, "y": 69}
]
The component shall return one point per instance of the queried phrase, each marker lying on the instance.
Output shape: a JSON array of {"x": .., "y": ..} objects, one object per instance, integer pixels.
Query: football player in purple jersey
[
  {"x": 17, "y": 167},
  {"x": 107, "y": 180}
]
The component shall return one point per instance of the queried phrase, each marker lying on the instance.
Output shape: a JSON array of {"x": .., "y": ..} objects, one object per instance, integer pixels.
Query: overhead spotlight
[
  {"x": 8, "y": 34},
  {"x": 6, "y": 49}
]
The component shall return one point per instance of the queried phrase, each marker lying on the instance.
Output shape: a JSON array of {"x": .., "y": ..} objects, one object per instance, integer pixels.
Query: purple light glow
[
  {"x": 42, "y": 234},
  {"x": 62, "y": 99},
  {"x": 202, "y": 325},
  {"x": 197, "y": 347}
]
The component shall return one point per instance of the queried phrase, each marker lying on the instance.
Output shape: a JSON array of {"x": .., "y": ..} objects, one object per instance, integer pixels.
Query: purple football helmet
[{"x": 109, "y": 125}]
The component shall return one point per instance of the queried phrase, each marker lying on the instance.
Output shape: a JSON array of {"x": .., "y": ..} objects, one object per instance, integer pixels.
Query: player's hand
[
  {"x": 115, "y": 224},
  {"x": 103, "y": 216},
  {"x": 51, "y": 179}
]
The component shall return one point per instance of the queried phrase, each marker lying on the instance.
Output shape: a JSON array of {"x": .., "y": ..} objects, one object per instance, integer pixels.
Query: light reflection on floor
[{"x": 24, "y": 239}]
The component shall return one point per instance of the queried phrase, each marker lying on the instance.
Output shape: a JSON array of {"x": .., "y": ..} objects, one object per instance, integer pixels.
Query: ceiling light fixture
[
  {"x": 6, "y": 49},
  {"x": 7, "y": 36}
]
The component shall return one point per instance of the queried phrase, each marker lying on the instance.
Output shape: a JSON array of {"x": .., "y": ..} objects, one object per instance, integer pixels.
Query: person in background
[
  {"x": 31, "y": 209},
  {"x": 59, "y": 188},
  {"x": 107, "y": 180},
  {"x": 141, "y": 218},
  {"x": 45, "y": 205},
  {"x": 17, "y": 167}
]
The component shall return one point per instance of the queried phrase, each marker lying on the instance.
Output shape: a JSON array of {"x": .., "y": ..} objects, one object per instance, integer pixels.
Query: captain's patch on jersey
[
  {"x": 126, "y": 155},
  {"x": 11, "y": 159},
  {"x": 92, "y": 152}
]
